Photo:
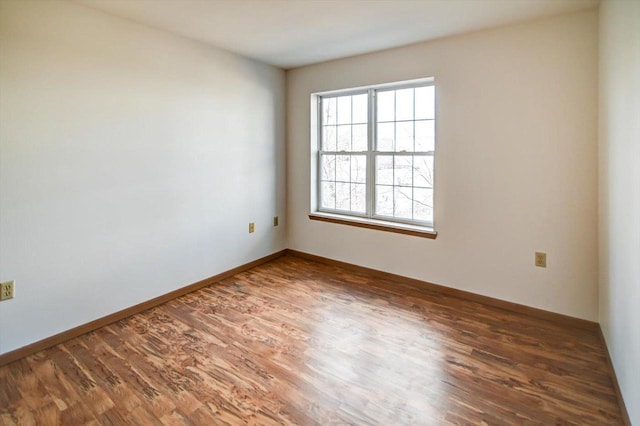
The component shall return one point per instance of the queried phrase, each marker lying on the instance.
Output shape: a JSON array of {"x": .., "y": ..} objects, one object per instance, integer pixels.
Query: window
[{"x": 375, "y": 151}]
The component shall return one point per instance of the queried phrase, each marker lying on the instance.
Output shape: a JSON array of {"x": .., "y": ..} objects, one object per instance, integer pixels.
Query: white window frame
[{"x": 371, "y": 153}]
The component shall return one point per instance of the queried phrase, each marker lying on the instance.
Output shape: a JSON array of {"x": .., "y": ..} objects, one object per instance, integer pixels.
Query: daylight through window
[{"x": 376, "y": 152}]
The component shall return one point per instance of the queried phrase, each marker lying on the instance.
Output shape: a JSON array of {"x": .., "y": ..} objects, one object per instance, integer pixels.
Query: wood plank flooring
[{"x": 297, "y": 342}]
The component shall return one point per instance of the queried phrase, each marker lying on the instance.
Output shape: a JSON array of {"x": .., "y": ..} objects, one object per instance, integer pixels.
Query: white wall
[
  {"x": 516, "y": 163},
  {"x": 620, "y": 193},
  {"x": 131, "y": 162}
]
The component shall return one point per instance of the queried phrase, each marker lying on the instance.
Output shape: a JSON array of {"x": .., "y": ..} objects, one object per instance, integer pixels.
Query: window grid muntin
[
  {"x": 394, "y": 153},
  {"x": 349, "y": 153},
  {"x": 371, "y": 152},
  {"x": 394, "y": 185},
  {"x": 352, "y": 182}
]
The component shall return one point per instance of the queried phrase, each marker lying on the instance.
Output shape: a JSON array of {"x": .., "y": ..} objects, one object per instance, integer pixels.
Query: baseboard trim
[
  {"x": 461, "y": 294},
  {"x": 616, "y": 386},
  {"x": 561, "y": 319},
  {"x": 117, "y": 316}
]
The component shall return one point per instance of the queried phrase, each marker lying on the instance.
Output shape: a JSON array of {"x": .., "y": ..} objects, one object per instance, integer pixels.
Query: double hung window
[{"x": 376, "y": 151}]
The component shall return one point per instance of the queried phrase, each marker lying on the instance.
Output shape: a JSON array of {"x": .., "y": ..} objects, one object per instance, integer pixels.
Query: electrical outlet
[
  {"x": 541, "y": 259},
  {"x": 275, "y": 221},
  {"x": 252, "y": 227},
  {"x": 6, "y": 290}
]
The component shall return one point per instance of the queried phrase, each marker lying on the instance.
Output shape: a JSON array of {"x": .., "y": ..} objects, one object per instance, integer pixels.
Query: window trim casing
[{"x": 372, "y": 220}]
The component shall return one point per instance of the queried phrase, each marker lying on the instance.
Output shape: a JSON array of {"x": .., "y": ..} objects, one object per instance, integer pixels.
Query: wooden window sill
[{"x": 380, "y": 225}]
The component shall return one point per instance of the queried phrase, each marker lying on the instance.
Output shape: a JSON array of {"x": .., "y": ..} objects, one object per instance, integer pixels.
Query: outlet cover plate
[
  {"x": 541, "y": 259},
  {"x": 6, "y": 290}
]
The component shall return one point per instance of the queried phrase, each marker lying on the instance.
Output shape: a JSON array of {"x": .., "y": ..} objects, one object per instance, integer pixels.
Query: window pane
[
  {"x": 425, "y": 102},
  {"x": 384, "y": 169},
  {"x": 403, "y": 171},
  {"x": 425, "y": 136},
  {"x": 385, "y": 136},
  {"x": 402, "y": 202},
  {"x": 423, "y": 204},
  {"x": 359, "y": 168},
  {"x": 344, "y": 138},
  {"x": 404, "y": 136},
  {"x": 344, "y": 110},
  {"x": 343, "y": 168},
  {"x": 328, "y": 167},
  {"x": 360, "y": 108},
  {"x": 384, "y": 200},
  {"x": 328, "y": 110},
  {"x": 404, "y": 104},
  {"x": 358, "y": 197},
  {"x": 359, "y": 141},
  {"x": 343, "y": 196},
  {"x": 386, "y": 105},
  {"x": 328, "y": 195},
  {"x": 328, "y": 138},
  {"x": 423, "y": 171}
]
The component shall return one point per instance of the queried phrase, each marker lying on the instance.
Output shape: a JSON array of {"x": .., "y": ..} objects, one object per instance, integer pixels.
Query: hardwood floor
[{"x": 297, "y": 342}]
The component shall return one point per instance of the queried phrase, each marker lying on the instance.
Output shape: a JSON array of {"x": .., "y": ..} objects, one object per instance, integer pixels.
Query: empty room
[{"x": 319, "y": 212}]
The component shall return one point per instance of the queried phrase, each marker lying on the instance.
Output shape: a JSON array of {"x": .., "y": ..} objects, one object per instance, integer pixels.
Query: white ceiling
[{"x": 292, "y": 33}]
